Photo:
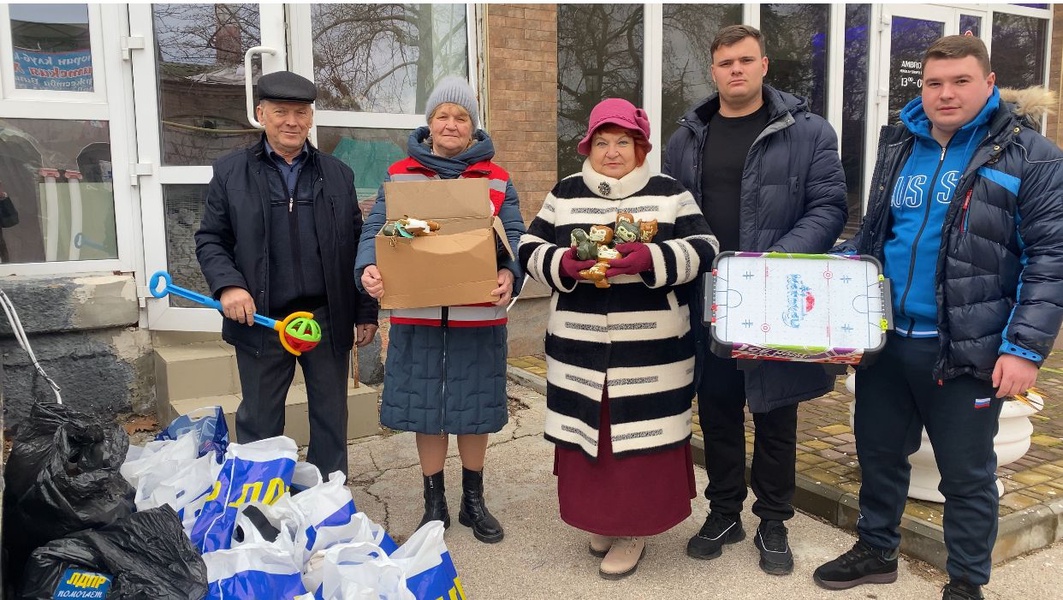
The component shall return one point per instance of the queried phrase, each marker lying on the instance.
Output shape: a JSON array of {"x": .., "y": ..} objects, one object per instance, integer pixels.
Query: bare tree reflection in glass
[
  {"x": 386, "y": 57},
  {"x": 199, "y": 51},
  {"x": 796, "y": 40},
  {"x": 599, "y": 55},
  {"x": 685, "y": 75},
  {"x": 1019, "y": 50}
]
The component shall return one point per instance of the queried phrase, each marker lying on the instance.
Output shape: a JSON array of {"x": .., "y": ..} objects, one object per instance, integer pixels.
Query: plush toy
[
  {"x": 586, "y": 248},
  {"x": 596, "y": 274},
  {"x": 410, "y": 227},
  {"x": 602, "y": 234},
  {"x": 647, "y": 229},
  {"x": 606, "y": 253},
  {"x": 627, "y": 231},
  {"x": 417, "y": 227}
]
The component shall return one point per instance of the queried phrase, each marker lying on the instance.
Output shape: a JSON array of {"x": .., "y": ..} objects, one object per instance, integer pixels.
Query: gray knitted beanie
[{"x": 453, "y": 90}]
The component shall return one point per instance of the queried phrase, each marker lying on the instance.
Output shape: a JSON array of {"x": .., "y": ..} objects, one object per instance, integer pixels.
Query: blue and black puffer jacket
[{"x": 999, "y": 274}]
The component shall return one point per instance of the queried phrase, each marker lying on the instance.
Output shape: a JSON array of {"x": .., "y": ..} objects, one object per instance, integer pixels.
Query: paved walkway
[
  {"x": 828, "y": 474},
  {"x": 541, "y": 558}
]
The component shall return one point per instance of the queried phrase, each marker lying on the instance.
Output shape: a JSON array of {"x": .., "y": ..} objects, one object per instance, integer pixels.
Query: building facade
[{"x": 111, "y": 114}]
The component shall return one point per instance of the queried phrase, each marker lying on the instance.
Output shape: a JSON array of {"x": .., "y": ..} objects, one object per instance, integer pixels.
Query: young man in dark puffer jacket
[
  {"x": 766, "y": 173},
  {"x": 966, "y": 215}
]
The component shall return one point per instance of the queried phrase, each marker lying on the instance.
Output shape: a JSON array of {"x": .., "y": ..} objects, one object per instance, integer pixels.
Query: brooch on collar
[{"x": 604, "y": 189}]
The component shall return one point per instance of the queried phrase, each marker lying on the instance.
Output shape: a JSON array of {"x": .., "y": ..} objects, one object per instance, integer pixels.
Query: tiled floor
[{"x": 826, "y": 449}]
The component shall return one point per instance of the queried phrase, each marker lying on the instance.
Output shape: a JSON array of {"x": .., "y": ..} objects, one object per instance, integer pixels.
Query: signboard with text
[{"x": 56, "y": 71}]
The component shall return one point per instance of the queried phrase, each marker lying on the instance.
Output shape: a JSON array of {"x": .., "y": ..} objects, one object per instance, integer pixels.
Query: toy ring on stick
[{"x": 298, "y": 332}]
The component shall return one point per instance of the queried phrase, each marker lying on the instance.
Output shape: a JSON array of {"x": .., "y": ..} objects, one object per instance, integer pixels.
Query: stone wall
[{"x": 83, "y": 330}]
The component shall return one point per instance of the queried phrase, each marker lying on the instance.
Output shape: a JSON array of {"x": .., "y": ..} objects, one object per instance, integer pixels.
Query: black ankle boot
[
  {"x": 435, "y": 501},
  {"x": 474, "y": 512}
]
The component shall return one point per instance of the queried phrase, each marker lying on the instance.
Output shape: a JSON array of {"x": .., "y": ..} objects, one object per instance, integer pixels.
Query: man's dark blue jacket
[
  {"x": 233, "y": 241},
  {"x": 793, "y": 200}
]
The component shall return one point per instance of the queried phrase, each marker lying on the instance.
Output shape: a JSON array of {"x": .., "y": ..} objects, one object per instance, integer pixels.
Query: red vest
[{"x": 476, "y": 315}]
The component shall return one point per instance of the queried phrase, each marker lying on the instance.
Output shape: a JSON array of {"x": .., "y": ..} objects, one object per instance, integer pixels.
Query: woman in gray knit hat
[{"x": 445, "y": 371}]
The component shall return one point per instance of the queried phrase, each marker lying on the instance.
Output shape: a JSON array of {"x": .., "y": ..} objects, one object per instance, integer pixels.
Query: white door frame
[
  {"x": 879, "y": 63},
  {"x": 153, "y": 174},
  {"x": 285, "y": 28},
  {"x": 109, "y": 101}
]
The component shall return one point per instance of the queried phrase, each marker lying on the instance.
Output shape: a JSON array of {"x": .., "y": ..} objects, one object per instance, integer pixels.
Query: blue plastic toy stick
[{"x": 170, "y": 288}]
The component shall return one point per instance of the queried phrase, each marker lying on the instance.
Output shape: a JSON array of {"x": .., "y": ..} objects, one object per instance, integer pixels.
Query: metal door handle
[{"x": 248, "y": 91}]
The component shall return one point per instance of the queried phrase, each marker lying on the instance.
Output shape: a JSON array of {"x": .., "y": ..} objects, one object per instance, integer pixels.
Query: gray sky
[{"x": 49, "y": 13}]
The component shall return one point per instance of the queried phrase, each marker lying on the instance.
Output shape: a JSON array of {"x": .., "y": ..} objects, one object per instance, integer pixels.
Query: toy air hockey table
[{"x": 821, "y": 308}]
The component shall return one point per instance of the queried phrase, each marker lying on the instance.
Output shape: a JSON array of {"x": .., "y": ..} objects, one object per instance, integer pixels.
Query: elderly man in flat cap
[{"x": 279, "y": 234}]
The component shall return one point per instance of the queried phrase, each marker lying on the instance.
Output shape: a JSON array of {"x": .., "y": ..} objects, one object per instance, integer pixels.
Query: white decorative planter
[{"x": 1011, "y": 443}]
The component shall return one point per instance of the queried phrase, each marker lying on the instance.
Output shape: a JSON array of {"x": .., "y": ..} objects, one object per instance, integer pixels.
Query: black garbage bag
[
  {"x": 145, "y": 555},
  {"x": 62, "y": 476}
]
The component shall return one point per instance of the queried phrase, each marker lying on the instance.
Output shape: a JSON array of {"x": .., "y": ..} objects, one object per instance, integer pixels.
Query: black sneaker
[
  {"x": 961, "y": 590},
  {"x": 717, "y": 531},
  {"x": 775, "y": 555},
  {"x": 862, "y": 564}
]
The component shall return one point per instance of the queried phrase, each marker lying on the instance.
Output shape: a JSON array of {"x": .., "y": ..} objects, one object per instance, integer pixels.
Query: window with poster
[{"x": 57, "y": 199}]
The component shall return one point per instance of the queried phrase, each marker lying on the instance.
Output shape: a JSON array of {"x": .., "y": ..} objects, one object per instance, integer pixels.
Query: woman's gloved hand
[
  {"x": 571, "y": 266},
  {"x": 635, "y": 257}
]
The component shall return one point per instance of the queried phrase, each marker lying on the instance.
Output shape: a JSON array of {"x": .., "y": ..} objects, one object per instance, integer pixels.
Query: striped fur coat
[{"x": 632, "y": 338}]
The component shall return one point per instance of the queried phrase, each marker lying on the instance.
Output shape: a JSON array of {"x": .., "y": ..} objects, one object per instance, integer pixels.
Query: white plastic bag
[
  {"x": 251, "y": 572},
  {"x": 263, "y": 561},
  {"x": 306, "y": 476},
  {"x": 426, "y": 562},
  {"x": 255, "y": 472},
  {"x": 362, "y": 571},
  {"x": 155, "y": 462},
  {"x": 186, "y": 490},
  {"x": 331, "y": 517}
]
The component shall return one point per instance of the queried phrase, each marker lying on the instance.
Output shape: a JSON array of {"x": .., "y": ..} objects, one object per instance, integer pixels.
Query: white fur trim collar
[{"x": 615, "y": 189}]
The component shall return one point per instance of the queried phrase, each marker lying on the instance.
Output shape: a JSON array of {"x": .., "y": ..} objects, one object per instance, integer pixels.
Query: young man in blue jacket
[
  {"x": 767, "y": 175},
  {"x": 279, "y": 234},
  {"x": 966, "y": 215}
]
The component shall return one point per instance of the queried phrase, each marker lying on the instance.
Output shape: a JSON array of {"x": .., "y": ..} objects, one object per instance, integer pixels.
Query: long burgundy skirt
[{"x": 639, "y": 495}]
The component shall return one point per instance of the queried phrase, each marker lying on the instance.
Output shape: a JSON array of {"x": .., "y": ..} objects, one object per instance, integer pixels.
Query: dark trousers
[
  {"x": 265, "y": 380},
  {"x": 721, "y": 412},
  {"x": 895, "y": 398}
]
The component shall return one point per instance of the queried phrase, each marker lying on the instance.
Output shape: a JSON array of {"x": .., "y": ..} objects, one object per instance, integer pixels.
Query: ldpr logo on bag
[
  {"x": 82, "y": 584},
  {"x": 799, "y": 301}
]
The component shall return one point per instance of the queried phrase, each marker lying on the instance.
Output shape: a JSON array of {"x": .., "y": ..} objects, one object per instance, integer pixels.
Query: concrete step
[
  {"x": 197, "y": 370},
  {"x": 362, "y": 416}
]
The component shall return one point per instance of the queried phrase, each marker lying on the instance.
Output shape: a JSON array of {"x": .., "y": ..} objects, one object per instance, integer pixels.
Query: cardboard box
[{"x": 457, "y": 265}]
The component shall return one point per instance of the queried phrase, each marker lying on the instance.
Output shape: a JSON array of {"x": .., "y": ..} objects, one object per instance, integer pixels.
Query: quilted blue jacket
[{"x": 999, "y": 275}]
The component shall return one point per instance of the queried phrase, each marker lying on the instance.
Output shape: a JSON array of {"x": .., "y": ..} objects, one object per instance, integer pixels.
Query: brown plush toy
[
  {"x": 596, "y": 274},
  {"x": 647, "y": 229}
]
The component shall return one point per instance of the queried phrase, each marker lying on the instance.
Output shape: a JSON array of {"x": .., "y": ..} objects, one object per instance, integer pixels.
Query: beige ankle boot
[
  {"x": 600, "y": 544},
  {"x": 623, "y": 557}
]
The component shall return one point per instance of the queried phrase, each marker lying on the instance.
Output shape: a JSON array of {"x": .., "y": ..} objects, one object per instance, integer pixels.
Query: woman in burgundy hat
[{"x": 620, "y": 352}]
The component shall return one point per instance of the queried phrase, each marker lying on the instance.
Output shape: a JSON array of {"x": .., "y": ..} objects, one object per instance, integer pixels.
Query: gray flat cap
[{"x": 285, "y": 86}]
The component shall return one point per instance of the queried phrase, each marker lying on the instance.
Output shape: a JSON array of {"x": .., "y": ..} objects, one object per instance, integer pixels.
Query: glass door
[
  {"x": 374, "y": 66},
  {"x": 905, "y": 32},
  {"x": 189, "y": 81}
]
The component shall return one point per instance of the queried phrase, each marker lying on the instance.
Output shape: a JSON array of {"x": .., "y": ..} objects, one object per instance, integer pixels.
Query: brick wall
[
  {"x": 522, "y": 97},
  {"x": 522, "y": 120}
]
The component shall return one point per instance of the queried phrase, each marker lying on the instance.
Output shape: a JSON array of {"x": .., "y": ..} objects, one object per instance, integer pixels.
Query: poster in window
[{"x": 54, "y": 71}]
